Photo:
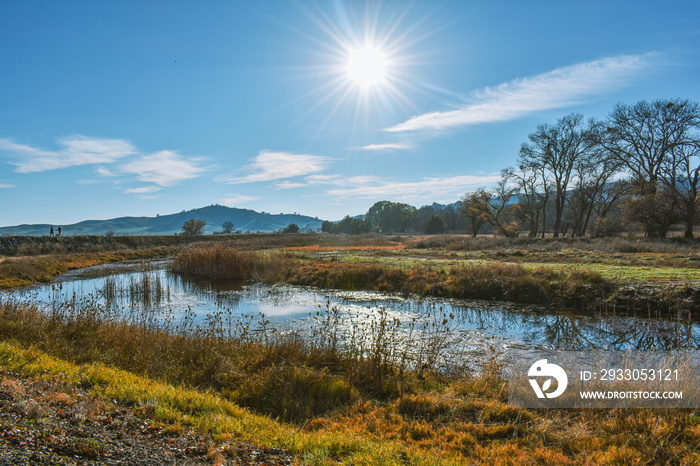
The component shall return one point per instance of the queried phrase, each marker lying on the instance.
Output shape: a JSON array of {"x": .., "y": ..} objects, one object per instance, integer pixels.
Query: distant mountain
[{"x": 215, "y": 215}]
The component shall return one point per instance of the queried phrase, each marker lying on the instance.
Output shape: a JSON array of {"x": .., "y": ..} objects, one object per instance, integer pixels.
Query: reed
[
  {"x": 288, "y": 376},
  {"x": 215, "y": 260}
]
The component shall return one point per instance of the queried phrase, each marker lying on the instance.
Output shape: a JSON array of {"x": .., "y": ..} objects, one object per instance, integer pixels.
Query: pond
[{"x": 467, "y": 328}]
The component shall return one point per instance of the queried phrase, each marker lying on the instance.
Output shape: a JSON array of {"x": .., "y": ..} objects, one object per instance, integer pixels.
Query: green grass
[
  {"x": 27, "y": 270},
  {"x": 607, "y": 266},
  {"x": 358, "y": 404},
  {"x": 210, "y": 413},
  {"x": 513, "y": 277},
  {"x": 463, "y": 422}
]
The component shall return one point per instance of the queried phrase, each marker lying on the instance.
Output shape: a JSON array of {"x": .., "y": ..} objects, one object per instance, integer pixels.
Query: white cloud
[
  {"x": 559, "y": 88},
  {"x": 104, "y": 172},
  {"x": 233, "y": 200},
  {"x": 142, "y": 190},
  {"x": 323, "y": 179},
  {"x": 271, "y": 166},
  {"x": 6, "y": 186},
  {"x": 163, "y": 168},
  {"x": 76, "y": 150},
  {"x": 430, "y": 188},
  {"x": 334, "y": 180},
  {"x": 289, "y": 185},
  {"x": 389, "y": 146}
]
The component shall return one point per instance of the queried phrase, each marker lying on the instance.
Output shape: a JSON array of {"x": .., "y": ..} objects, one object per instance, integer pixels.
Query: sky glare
[{"x": 138, "y": 108}]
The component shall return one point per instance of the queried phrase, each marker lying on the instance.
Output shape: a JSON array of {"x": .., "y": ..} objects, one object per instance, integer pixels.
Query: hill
[{"x": 215, "y": 215}]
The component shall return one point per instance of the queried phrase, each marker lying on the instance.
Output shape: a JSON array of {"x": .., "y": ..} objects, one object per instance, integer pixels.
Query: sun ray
[{"x": 364, "y": 63}]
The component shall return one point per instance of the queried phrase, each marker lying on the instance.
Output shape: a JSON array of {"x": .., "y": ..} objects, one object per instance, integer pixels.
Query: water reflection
[{"x": 457, "y": 327}]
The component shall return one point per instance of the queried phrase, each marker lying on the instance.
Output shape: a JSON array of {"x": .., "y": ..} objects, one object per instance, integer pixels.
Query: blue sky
[{"x": 116, "y": 108}]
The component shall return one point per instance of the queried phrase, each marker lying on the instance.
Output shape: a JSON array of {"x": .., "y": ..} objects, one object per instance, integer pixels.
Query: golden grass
[
  {"x": 319, "y": 248},
  {"x": 455, "y": 424},
  {"x": 584, "y": 288},
  {"x": 25, "y": 270},
  {"x": 339, "y": 410},
  {"x": 208, "y": 412}
]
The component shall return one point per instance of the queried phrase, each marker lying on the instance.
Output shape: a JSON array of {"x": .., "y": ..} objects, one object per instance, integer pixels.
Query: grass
[
  {"x": 26, "y": 270},
  {"x": 573, "y": 287},
  {"x": 365, "y": 402},
  {"x": 286, "y": 377},
  {"x": 463, "y": 420},
  {"x": 216, "y": 260},
  {"x": 205, "y": 411}
]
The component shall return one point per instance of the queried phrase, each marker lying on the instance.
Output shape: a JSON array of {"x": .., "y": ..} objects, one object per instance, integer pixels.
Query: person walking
[
  {"x": 59, "y": 230},
  {"x": 51, "y": 232}
]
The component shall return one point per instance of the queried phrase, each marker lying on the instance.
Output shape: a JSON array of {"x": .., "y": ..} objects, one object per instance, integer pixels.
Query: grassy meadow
[{"x": 362, "y": 402}]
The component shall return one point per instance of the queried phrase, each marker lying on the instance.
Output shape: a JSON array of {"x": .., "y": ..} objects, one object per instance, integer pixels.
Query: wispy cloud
[
  {"x": 142, "y": 190},
  {"x": 290, "y": 185},
  {"x": 75, "y": 150},
  {"x": 6, "y": 186},
  {"x": 444, "y": 188},
  {"x": 163, "y": 168},
  {"x": 559, "y": 88},
  {"x": 271, "y": 166},
  {"x": 233, "y": 200},
  {"x": 389, "y": 146},
  {"x": 105, "y": 172},
  {"x": 334, "y": 180}
]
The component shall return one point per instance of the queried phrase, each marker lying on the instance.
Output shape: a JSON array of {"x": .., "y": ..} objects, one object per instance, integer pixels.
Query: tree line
[
  {"x": 637, "y": 168},
  {"x": 397, "y": 217}
]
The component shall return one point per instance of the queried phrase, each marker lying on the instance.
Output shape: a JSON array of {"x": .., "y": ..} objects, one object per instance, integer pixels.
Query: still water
[{"x": 470, "y": 327}]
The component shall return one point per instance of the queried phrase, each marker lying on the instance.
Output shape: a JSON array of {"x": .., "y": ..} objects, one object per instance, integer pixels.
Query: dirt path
[{"x": 48, "y": 422}]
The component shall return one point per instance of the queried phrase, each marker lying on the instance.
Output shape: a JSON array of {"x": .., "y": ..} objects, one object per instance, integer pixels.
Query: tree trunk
[
  {"x": 688, "y": 231},
  {"x": 587, "y": 220},
  {"x": 559, "y": 207},
  {"x": 689, "y": 219},
  {"x": 544, "y": 222}
]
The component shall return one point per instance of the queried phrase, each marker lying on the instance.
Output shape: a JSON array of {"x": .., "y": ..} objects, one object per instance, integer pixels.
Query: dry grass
[
  {"x": 23, "y": 271},
  {"x": 319, "y": 248},
  {"x": 215, "y": 260},
  {"x": 247, "y": 361},
  {"x": 604, "y": 245},
  {"x": 428, "y": 420},
  {"x": 580, "y": 288},
  {"x": 353, "y": 398}
]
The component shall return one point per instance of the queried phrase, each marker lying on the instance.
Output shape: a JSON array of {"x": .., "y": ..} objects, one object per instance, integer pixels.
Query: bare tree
[
  {"x": 555, "y": 150},
  {"x": 682, "y": 176},
  {"x": 643, "y": 137},
  {"x": 228, "y": 227},
  {"x": 496, "y": 207},
  {"x": 473, "y": 205},
  {"x": 193, "y": 227},
  {"x": 594, "y": 170},
  {"x": 533, "y": 193},
  {"x": 603, "y": 203}
]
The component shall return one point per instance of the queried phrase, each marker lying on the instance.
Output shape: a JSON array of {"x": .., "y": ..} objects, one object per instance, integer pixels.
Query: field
[{"x": 321, "y": 403}]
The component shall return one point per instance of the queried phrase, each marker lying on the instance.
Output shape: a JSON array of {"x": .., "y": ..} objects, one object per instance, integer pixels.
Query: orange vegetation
[{"x": 319, "y": 248}]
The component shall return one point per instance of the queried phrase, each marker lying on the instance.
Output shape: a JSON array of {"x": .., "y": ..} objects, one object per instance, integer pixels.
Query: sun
[{"x": 367, "y": 66}]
